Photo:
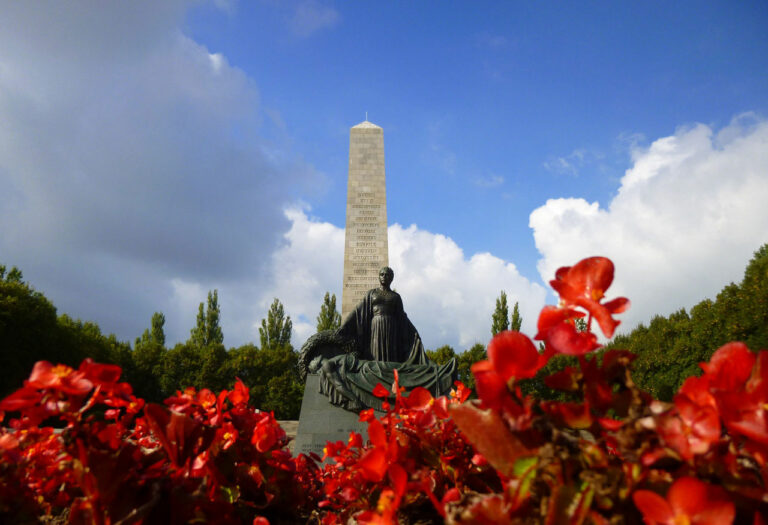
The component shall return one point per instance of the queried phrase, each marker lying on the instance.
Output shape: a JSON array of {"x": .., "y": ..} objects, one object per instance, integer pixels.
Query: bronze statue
[{"x": 375, "y": 339}]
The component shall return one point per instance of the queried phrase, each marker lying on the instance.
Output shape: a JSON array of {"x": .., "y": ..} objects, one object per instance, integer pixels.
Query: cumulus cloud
[
  {"x": 448, "y": 296},
  {"x": 687, "y": 217},
  {"x": 132, "y": 164}
]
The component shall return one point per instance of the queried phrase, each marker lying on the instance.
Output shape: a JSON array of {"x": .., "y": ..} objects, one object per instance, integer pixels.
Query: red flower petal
[
  {"x": 552, "y": 316},
  {"x": 377, "y": 434},
  {"x": 655, "y": 509},
  {"x": 688, "y": 496},
  {"x": 380, "y": 391},
  {"x": 730, "y": 366},
  {"x": 618, "y": 305},
  {"x": 240, "y": 393},
  {"x": 367, "y": 415},
  {"x": 513, "y": 355},
  {"x": 399, "y": 479},
  {"x": 373, "y": 464},
  {"x": 589, "y": 278},
  {"x": 491, "y": 388},
  {"x": 441, "y": 407},
  {"x": 21, "y": 399},
  {"x": 419, "y": 399},
  {"x": 100, "y": 373},
  {"x": 565, "y": 339},
  {"x": 610, "y": 424}
]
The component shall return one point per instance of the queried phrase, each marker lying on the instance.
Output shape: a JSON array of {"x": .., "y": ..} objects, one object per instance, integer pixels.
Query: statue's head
[{"x": 386, "y": 275}]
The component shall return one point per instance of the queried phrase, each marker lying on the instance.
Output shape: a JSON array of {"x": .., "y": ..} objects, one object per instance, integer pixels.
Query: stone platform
[{"x": 320, "y": 421}]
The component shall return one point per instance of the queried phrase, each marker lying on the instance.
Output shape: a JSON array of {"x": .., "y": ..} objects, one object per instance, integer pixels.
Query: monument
[
  {"x": 342, "y": 367},
  {"x": 365, "y": 237}
]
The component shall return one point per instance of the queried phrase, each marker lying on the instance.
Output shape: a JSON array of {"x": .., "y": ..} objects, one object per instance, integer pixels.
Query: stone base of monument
[{"x": 320, "y": 421}]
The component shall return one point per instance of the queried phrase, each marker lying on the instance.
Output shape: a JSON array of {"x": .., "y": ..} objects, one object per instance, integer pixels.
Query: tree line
[
  {"x": 668, "y": 348},
  {"x": 31, "y": 330}
]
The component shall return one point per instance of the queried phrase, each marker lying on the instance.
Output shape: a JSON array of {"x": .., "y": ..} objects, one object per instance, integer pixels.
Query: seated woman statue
[{"x": 374, "y": 340}]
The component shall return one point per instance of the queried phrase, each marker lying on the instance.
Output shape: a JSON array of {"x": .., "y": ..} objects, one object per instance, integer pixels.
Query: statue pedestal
[{"x": 320, "y": 421}]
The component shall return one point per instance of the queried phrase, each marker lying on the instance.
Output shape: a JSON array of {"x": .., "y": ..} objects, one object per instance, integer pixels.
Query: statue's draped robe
[{"x": 348, "y": 380}]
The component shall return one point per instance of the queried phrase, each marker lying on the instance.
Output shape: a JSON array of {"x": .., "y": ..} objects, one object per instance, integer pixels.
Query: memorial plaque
[
  {"x": 365, "y": 238},
  {"x": 321, "y": 421}
]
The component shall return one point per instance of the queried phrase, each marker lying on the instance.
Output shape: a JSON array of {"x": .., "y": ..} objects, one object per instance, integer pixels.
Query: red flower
[
  {"x": 59, "y": 377},
  {"x": 556, "y": 327},
  {"x": 181, "y": 436},
  {"x": 100, "y": 374},
  {"x": 513, "y": 355},
  {"x": 368, "y": 414},
  {"x": 240, "y": 394},
  {"x": 729, "y": 367},
  {"x": 461, "y": 393},
  {"x": 21, "y": 399},
  {"x": 689, "y": 501},
  {"x": 584, "y": 285},
  {"x": 491, "y": 388},
  {"x": 380, "y": 391},
  {"x": 419, "y": 399},
  {"x": 744, "y": 411}
]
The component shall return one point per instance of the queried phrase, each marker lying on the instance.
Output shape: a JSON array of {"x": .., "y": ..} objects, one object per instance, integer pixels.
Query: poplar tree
[
  {"x": 500, "y": 315},
  {"x": 207, "y": 330},
  {"x": 275, "y": 330},
  {"x": 154, "y": 335},
  {"x": 213, "y": 333},
  {"x": 329, "y": 318},
  {"x": 516, "y": 321},
  {"x": 158, "y": 333}
]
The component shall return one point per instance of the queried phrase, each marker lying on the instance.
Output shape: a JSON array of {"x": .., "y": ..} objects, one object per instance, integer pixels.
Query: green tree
[
  {"x": 500, "y": 316},
  {"x": 516, "y": 321},
  {"x": 466, "y": 359},
  {"x": 442, "y": 355},
  {"x": 213, "y": 333},
  {"x": 329, "y": 318},
  {"x": 158, "y": 328},
  {"x": 197, "y": 334},
  {"x": 276, "y": 329},
  {"x": 148, "y": 354},
  {"x": 271, "y": 376},
  {"x": 180, "y": 368},
  {"x": 155, "y": 334},
  {"x": 670, "y": 348},
  {"x": 29, "y": 331},
  {"x": 14, "y": 275},
  {"x": 207, "y": 330}
]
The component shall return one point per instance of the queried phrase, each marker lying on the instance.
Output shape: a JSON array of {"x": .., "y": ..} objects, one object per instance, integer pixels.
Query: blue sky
[
  {"x": 150, "y": 154},
  {"x": 470, "y": 92}
]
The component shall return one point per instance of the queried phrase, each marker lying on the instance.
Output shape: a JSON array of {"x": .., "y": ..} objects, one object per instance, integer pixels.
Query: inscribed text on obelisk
[{"x": 365, "y": 243}]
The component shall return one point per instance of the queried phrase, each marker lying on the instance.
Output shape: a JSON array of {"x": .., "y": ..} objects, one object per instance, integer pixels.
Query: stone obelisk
[{"x": 365, "y": 242}]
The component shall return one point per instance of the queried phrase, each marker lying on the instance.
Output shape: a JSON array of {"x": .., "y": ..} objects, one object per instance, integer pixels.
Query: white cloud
[
  {"x": 310, "y": 16},
  {"x": 447, "y": 296},
  {"x": 133, "y": 166},
  {"x": 309, "y": 264},
  {"x": 687, "y": 217},
  {"x": 450, "y": 298}
]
